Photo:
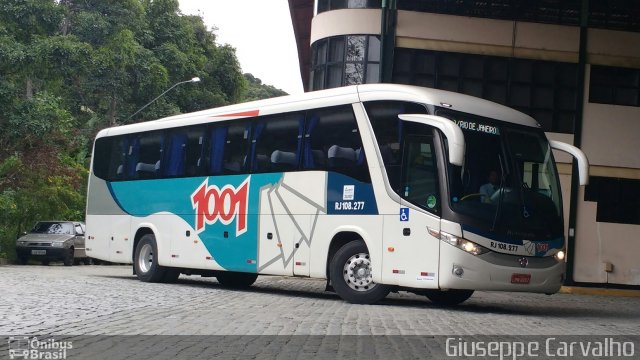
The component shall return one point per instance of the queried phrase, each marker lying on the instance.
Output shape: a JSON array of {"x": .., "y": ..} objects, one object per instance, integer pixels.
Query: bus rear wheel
[
  {"x": 146, "y": 260},
  {"x": 448, "y": 297},
  {"x": 351, "y": 275},
  {"x": 236, "y": 280}
]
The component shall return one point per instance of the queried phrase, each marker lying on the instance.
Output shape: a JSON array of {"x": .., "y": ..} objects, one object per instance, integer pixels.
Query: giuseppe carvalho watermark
[{"x": 546, "y": 348}]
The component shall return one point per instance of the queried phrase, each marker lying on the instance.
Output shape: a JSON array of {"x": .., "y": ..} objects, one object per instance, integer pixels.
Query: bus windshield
[{"x": 508, "y": 185}]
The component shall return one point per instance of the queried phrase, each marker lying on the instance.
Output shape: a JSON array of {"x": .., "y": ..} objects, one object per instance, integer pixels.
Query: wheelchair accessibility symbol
[{"x": 404, "y": 214}]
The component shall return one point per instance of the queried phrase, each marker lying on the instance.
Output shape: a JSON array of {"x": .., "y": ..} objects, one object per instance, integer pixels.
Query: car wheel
[
  {"x": 448, "y": 297},
  {"x": 351, "y": 275},
  {"x": 68, "y": 259},
  {"x": 88, "y": 261},
  {"x": 146, "y": 260},
  {"x": 45, "y": 262},
  {"x": 237, "y": 280},
  {"x": 23, "y": 260}
]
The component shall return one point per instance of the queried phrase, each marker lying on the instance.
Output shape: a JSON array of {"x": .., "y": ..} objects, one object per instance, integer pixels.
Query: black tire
[
  {"x": 45, "y": 262},
  {"x": 448, "y": 297},
  {"x": 147, "y": 269},
  {"x": 343, "y": 277},
  {"x": 23, "y": 260},
  {"x": 68, "y": 259},
  {"x": 88, "y": 261},
  {"x": 236, "y": 280}
]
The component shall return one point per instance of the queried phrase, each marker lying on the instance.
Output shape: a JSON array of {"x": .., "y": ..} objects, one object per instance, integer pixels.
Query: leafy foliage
[
  {"x": 257, "y": 90},
  {"x": 69, "y": 68}
]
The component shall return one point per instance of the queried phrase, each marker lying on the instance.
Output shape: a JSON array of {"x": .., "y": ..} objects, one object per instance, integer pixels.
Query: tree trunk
[
  {"x": 29, "y": 93},
  {"x": 112, "y": 110}
]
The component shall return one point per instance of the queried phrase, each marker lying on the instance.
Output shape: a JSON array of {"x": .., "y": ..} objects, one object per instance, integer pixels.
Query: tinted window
[
  {"x": 145, "y": 155},
  {"x": 387, "y": 128},
  {"x": 420, "y": 173},
  {"x": 276, "y": 143},
  {"x": 184, "y": 152},
  {"x": 333, "y": 143},
  {"x": 235, "y": 146}
]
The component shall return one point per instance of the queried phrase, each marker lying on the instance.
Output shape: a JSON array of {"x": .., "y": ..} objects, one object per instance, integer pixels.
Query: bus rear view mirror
[
  {"x": 583, "y": 163},
  {"x": 453, "y": 133}
]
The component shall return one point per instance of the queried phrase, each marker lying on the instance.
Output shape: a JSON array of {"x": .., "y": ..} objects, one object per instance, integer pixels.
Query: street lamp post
[{"x": 195, "y": 79}]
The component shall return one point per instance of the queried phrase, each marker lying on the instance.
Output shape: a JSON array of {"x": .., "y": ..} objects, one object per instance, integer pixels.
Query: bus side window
[
  {"x": 176, "y": 155},
  {"x": 235, "y": 148},
  {"x": 149, "y": 156},
  {"x": 276, "y": 145},
  {"x": 115, "y": 150},
  {"x": 195, "y": 163},
  {"x": 333, "y": 143},
  {"x": 388, "y": 129},
  {"x": 183, "y": 155},
  {"x": 216, "y": 150}
]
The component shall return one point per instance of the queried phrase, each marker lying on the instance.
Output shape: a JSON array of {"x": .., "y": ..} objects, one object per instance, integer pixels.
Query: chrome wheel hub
[
  {"x": 357, "y": 272},
  {"x": 145, "y": 259}
]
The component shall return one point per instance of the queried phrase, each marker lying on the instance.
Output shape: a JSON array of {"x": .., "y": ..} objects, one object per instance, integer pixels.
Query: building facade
[{"x": 573, "y": 65}]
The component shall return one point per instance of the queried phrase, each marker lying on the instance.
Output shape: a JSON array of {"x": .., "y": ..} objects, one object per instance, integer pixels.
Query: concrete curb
[
  {"x": 599, "y": 291},
  {"x": 4, "y": 261}
]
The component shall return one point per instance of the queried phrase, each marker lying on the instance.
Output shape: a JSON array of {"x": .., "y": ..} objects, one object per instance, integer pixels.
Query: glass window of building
[
  {"x": 614, "y": 85},
  {"x": 345, "y": 60},
  {"x": 326, "y": 5},
  {"x": 546, "y": 90}
]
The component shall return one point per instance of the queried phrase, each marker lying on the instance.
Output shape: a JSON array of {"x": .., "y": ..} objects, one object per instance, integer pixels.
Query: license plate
[
  {"x": 38, "y": 252},
  {"x": 520, "y": 278}
]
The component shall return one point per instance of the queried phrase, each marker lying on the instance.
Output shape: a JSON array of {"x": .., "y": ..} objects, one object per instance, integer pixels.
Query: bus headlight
[
  {"x": 560, "y": 255},
  {"x": 464, "y": 244}
]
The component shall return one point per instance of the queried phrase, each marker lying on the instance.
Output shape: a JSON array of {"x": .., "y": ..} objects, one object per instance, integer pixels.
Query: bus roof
[{"x": 334, "y": 97}]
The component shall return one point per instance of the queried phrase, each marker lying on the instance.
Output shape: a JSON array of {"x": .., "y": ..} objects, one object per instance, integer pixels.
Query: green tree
[
  {"x": 256, "y": 90},
  {"x": 69, "y": 68}
]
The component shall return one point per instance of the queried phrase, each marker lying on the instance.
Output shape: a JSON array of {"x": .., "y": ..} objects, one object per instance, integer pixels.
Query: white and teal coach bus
[{"x": 375, "y": 188}]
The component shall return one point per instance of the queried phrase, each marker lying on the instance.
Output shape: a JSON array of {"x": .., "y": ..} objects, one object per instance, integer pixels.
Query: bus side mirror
[
  {"x": 583, "y": 162},
  {"x": 453, "y": 133}
]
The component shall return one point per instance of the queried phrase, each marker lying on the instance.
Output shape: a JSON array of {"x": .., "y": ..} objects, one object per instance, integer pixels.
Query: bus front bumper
[{"x": 500, "y": 272}]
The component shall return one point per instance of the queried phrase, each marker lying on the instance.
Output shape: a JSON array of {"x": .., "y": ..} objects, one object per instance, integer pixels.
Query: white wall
[{"x": 345, "y": 22}]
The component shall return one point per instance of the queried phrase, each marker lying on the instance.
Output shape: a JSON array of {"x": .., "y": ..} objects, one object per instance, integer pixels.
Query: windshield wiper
[
  {"x": 501, "y": 195},
  {"x": 525, "y": 212}
]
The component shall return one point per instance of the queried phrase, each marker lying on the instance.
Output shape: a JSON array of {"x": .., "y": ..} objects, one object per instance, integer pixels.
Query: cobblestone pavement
[
  {"x": 106, "y": 313},
  {"x": 108, "y": 300}
]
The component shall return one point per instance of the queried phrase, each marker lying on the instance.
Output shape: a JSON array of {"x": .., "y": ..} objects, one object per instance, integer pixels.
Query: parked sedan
[{"x": 53, "y": 240}]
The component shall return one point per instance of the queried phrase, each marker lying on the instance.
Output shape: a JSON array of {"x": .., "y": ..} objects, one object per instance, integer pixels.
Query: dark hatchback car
[{"x": 53, "y": 240}]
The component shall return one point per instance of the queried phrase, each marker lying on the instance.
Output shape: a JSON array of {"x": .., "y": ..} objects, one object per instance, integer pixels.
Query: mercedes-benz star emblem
[{"x": 523, "y": 262}]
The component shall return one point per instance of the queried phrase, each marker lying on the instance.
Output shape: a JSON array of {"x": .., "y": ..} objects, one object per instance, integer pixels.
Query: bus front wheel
[
  {"x": 237, "y": 280},
  {"x": 448, "y": 297},
  {"x": 351, "y": 275},
  {"x": 146, "y": 260}
]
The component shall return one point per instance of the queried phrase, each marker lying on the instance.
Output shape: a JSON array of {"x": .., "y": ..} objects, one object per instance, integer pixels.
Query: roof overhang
[{"x": 301, "y": 16}]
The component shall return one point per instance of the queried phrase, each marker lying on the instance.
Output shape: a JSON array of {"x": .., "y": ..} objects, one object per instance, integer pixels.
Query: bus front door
[{"x": 411, "y": 253}]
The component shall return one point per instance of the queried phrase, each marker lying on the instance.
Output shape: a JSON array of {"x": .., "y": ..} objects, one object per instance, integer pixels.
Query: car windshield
[
  {"x": 508, "y": 185},
  {"x": 50, "y": 227}
]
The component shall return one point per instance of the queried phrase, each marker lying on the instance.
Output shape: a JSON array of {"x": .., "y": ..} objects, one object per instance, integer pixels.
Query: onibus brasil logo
[{"x": 213, "y": 204}]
